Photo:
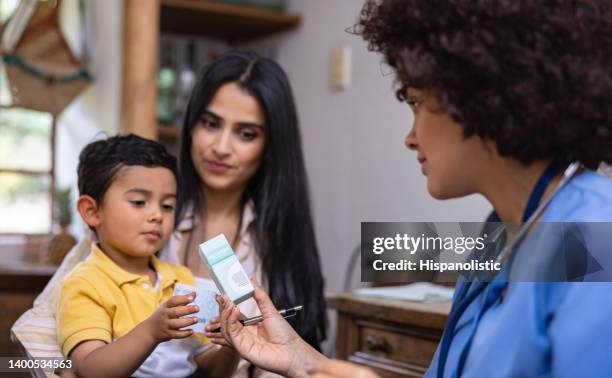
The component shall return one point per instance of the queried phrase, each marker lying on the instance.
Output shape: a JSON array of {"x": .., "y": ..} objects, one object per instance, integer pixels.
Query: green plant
[{"x": 62, "y": 213}]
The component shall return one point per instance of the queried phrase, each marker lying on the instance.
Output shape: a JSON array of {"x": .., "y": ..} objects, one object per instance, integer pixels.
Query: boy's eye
[
  {"x": 168, "y": 208},
  {"x": 137, "y": 203}
]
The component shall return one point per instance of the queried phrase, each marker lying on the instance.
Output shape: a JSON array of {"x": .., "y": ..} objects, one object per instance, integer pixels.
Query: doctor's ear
[{"x": 88, "y": 208}]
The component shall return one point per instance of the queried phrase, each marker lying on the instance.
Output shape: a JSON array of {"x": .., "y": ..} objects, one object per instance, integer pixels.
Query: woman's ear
[{"x": 88, "y": 208}]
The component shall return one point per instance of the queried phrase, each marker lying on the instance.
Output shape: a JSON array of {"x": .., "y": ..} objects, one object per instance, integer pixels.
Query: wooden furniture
[
  {"x": 145, "y": 19},
  {"x": 20, "y": 284},
  {"x": 395, "y": 338},
  {"x": 229, "y": 22}
]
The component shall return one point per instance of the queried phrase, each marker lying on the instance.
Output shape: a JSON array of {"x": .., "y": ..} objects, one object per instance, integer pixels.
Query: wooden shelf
[
  {"x": 140, "y": 39},
  {"x": 232, "y": 23},
  {"x": 169, "y": 134}
]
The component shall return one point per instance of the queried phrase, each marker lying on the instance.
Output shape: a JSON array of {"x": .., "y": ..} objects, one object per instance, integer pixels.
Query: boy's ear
[{"x": 88, "y": 208}]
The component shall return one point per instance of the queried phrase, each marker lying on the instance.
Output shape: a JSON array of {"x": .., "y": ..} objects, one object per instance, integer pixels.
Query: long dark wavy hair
[
  {"x": 532, "y": 76},
  {"x": 282, "y": 230}
]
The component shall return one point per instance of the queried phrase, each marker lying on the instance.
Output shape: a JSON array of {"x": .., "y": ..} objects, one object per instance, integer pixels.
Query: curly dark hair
[
  {"x": 531, "y": 75},
  {"x": 100, "y": 161}
]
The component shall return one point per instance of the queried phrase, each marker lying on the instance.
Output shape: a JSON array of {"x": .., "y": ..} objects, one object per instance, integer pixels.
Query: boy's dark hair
[
  {"x": 532, "y": 76},
  {"x": 100, "y": 161}
]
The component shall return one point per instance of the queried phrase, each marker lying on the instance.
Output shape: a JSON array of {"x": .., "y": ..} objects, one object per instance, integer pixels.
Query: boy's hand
[{"x": 167, "y": 321}]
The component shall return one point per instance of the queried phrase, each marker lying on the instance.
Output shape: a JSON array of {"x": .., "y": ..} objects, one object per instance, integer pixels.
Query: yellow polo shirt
[{"x": 101, "y": 301}]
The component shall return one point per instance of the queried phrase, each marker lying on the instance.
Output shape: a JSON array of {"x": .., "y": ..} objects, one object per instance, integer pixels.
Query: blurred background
[{"x": 79, "y": 69}]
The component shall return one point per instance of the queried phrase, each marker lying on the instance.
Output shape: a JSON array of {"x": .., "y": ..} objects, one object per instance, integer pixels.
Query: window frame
[{"x": 39, "y": 173}]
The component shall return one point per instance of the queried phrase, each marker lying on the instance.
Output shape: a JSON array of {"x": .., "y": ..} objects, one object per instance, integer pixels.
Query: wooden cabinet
[
  {"x": 20, "y": 284},
  {"x": 395, "y": 338},
  {"x": 142, "y": 24}
]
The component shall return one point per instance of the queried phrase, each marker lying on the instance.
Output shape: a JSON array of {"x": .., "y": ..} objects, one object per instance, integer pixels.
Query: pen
[{"x": 285, "y": 313}]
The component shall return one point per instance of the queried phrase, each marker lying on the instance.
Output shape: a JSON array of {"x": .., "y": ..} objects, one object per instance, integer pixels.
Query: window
[
  {"x": 26, "y": 160},
  {"x": 26, "y": 171}
]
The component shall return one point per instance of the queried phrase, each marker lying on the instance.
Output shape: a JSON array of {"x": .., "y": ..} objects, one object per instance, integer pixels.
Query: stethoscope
[{"x": 469, "y": 291}]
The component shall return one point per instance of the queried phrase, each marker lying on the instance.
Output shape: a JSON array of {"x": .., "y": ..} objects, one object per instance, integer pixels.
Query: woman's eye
[
  {"x": 247, "y": 135},
  {"x": 209, "y": 123},
  {"x": 137, "y": 203}
]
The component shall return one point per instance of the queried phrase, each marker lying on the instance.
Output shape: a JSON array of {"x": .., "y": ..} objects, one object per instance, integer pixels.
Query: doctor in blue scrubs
[{"x": 506, "y": 95}]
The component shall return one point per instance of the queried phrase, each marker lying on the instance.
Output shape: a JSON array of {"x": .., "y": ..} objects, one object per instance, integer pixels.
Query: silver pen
[{"x": 285, "y": 313}]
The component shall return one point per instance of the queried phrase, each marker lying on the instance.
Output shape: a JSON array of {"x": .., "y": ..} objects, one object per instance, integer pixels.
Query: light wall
[
  {"x": 358, "y": 166},
  {"x": 97, "y": 110}
]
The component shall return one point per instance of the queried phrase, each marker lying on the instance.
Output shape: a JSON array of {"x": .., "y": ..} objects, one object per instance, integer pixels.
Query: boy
[{"x": 116, "y": 312}]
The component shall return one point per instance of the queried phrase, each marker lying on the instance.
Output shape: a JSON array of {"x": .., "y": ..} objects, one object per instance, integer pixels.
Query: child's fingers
[
  {"x": 181, "y": 334},
  {"x": 219, "y": 341},
  {"x": 180, "y": 300},
  {"x": 176, "y": 324},
  {"x": 213, "y": 335},
  {"x": 179, "y": 311},
  {"x": 213, "y": 330},
  {"x": 213, "y": 325}
]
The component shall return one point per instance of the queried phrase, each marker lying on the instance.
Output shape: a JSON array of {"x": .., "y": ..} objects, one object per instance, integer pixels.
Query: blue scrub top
[{"x": 545, "y": 329}]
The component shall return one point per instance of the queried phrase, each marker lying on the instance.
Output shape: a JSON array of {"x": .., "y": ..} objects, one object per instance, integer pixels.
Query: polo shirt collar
[{"x": 121, "y": 276}]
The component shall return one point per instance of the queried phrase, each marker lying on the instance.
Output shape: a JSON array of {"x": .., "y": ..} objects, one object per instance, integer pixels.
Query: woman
[
  {"x": 242, "y": 174},
  {"x": 505, "y": 94}
]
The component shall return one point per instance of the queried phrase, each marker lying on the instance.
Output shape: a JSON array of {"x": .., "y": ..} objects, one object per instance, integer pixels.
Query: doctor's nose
[{"x": 411, "y": 140}]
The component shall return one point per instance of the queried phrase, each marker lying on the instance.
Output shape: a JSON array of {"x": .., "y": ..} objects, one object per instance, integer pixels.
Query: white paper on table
[{"x": 419, "y": 292}]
